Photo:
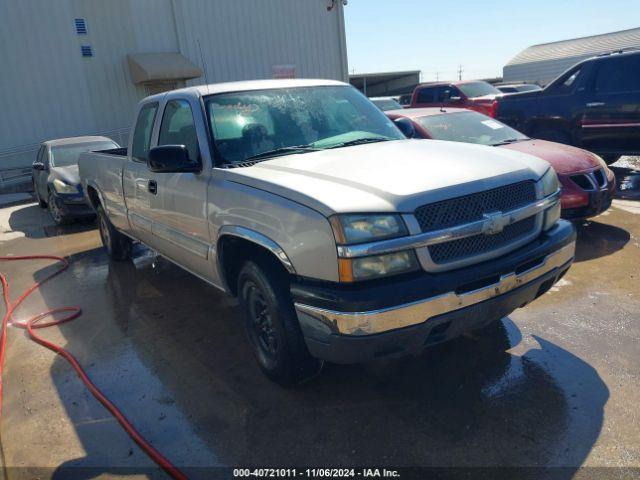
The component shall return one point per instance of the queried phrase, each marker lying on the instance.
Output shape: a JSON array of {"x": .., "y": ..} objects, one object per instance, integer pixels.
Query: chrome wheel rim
[{"x": 261, "y": 325}]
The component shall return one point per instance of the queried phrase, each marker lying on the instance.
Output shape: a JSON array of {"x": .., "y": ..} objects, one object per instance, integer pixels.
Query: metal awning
[
  {"x": 161, "y": 67},
  {"x": 386, "y": 83}
]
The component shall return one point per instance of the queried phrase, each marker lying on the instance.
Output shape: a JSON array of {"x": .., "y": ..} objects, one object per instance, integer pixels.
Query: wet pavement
[{"x": 557, "y": 386}]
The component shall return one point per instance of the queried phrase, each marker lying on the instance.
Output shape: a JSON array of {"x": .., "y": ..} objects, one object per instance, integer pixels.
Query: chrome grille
[
  {"x": 469, "y": 208},
  {"x": 477, "y": 244}
]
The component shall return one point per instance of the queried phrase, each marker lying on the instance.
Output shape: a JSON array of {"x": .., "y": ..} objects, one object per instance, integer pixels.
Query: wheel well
[
  {"x": 94, "y": 198},
  {"x": 233, "y": 252}
]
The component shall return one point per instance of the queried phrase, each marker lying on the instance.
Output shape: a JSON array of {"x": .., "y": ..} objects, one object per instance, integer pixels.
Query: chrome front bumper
[{"x": 396, "y": 317}]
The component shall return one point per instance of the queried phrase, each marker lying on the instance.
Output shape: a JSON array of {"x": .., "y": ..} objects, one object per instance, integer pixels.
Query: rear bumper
[{"x": 350, "y": 325}]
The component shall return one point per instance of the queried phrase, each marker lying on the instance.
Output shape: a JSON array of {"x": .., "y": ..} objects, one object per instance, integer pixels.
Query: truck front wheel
[
  {"x": 272, "y": 326},
  {"x": 118, "y": 246}
]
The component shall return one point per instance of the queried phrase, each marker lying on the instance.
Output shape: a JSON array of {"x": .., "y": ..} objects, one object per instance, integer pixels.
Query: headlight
[
  {"x": 366, "y": 268},
  {"x": 362, "y": 228},
  {"x": 62, "y": 187},
  {"x": 550, "y": 186},
  {"x": 550, "y": 182}
]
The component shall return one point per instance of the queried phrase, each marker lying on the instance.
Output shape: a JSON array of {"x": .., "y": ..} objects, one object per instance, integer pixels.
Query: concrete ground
[{"x": 559, "y": 385}]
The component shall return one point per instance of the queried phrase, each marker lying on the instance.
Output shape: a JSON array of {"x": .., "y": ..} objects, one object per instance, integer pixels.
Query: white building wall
[{"x": 48, "y": 90}]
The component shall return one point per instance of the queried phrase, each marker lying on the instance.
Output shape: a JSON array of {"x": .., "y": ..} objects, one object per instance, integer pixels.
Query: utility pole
[
  {"x": 437, "y": 76},
  {"x": 460, "y": 72}
]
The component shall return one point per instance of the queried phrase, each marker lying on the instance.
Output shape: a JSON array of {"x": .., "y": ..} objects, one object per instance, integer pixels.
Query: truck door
[
  {"x": 139, "y": 184},
  {"x": 182, "y": 227},
  {"x": 611, "y": 122}
]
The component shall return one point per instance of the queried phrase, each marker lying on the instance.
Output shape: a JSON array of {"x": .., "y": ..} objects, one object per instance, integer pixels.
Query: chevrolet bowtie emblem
[{"x": 494, "y": 222}]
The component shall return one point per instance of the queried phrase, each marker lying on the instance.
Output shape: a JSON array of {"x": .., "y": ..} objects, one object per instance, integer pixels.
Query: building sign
[{"x": 284, "y": 71}]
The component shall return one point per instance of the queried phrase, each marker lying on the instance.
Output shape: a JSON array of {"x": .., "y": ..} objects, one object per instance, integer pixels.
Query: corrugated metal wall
[
  {"x": 542, "y": 63},
  {"x": 48, "y": 90},
  {"x": 539, "y": 72}
]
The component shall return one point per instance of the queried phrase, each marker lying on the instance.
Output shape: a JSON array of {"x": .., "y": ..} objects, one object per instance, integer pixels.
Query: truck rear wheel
[
  {"x": 272, "y": 326},
  {"x": 118, "y": 246}
]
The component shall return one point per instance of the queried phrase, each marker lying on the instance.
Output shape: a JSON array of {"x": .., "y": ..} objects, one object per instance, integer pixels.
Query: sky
[{"x": 481, "y": 35}]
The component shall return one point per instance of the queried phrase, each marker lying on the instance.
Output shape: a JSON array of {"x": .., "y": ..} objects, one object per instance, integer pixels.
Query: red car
[
  {"x": 472, "y": 94},
  {"x": 587, "y": 183}
]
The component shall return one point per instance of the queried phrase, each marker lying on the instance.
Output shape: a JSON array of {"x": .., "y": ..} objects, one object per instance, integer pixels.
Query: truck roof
[{"x": 249, "y": 85}]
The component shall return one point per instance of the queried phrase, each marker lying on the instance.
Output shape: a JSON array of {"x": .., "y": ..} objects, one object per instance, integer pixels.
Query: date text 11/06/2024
[{"x": 315, "y": 473}]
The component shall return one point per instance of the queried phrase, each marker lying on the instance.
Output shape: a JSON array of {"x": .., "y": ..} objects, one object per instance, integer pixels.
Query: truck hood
[
  {"x": 564, "y": 159},
  {"x": 394, "y": 176}
]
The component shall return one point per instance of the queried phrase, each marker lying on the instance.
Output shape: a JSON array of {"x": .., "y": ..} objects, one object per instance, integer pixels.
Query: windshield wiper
[
  {"x": 506, "y": 141},
  {"x": 360, "y": 141},
  {"x": 282, "y": 150}
]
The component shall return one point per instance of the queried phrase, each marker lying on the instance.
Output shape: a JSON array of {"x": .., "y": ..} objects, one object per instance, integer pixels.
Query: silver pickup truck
[{"x": 343, "y": 240}]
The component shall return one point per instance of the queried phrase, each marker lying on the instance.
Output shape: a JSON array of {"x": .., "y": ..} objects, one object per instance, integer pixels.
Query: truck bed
[{"x": 101, "y": 171}]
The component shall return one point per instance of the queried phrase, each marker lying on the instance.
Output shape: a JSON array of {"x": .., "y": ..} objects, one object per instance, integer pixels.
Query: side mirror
[
  {"x": 38, "y": 165},
  {"x": 454, "y": 100},
  {"x": 405, "y": 126},
  {"x": 171, "y": 159}
]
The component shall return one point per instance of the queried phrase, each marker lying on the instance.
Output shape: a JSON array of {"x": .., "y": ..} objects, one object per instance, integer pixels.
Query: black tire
[
  {"x": 609, "y": 159},
  {"x": 41, "y": 203},
  {"x": 272, "y": 326},
  {"x": 558, "y": 136},
  {"x": 118, "y": 245},
  {"x": 55, "y": 210}
]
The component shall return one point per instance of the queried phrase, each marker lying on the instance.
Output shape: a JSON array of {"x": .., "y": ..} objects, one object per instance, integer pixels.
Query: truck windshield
[
  {"x": 478, "y": 89},
  {"x": 67, "y": 155},
  {"x": 469, "y": 127},
  {"x": 267, "y": 123}
]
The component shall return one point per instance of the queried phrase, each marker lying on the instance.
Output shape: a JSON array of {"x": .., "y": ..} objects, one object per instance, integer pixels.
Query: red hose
[{"x": 72, "y": 312}]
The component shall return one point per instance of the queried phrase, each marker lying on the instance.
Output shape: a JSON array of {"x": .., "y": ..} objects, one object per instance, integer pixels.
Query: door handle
[
  {"x": 595, "y": 104},
  {"x": 152, "y": 186}
]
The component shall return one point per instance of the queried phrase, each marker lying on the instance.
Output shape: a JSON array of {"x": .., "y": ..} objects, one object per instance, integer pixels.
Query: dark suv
[{"x": 594, "y": 105}]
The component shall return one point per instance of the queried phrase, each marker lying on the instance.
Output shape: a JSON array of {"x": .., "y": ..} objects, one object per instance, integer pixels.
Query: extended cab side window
[
  {"x": 426, "y": 95},
  {"x": 142, "y": 132},
  {"x": 179, "y": 128},
  {"x": 618, "y": 75}
]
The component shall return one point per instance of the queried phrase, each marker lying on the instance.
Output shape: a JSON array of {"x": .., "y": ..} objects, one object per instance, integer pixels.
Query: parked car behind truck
[
  {"x": 343, "y": 240},
  {"x": 594, "y": 105},
  {"x": 56, "y": 181},
  {"x": 587, "y": 183}
]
